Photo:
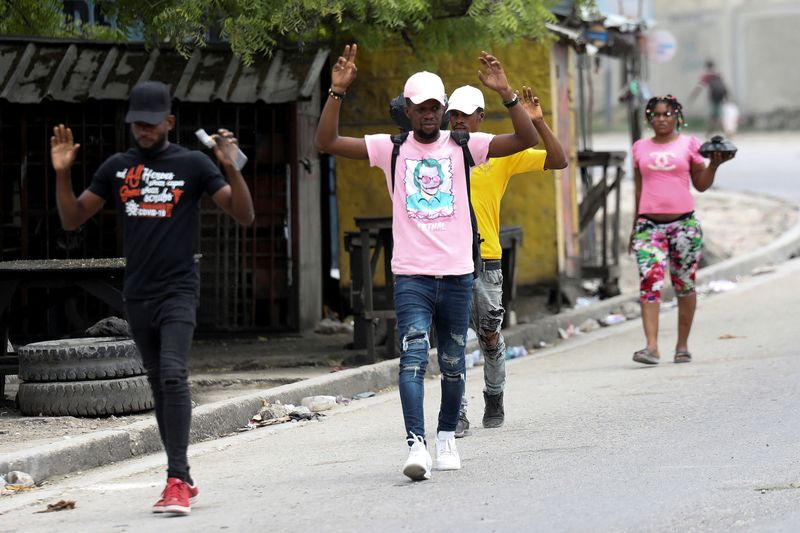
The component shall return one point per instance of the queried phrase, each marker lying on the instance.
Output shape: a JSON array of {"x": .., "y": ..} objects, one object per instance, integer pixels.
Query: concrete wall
[
  {"x": 753, "y": 42},
  {"x": 531, "y": 199}
]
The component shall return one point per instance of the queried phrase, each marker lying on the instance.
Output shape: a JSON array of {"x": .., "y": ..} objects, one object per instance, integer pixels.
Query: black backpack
[
  {"x": 461, "y": 138},
  {"x": 717, "y": 88}
]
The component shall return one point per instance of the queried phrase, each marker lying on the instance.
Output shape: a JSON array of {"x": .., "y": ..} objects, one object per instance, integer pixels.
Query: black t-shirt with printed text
[{"x": 158, "y": 200}]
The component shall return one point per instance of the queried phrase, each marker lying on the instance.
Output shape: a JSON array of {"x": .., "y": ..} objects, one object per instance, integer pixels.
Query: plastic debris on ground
[
  {"x": 515, "y": 352},
  {"x": 61, "y": 505},
  {"x": 315, "y": 404},
  {"x": 18, "y": 481},
  {"x": 612, "y": 319},
  {"x": 569, "y": 331},
  {"x": 363, "y": 395},
  {"x": 721, "y": 285},
  {"x": 583, "y": 301},
  {"x": 590, "y": 324},
  {"x": 329, "y": 326},
  {"x": 541, "y": 345}
]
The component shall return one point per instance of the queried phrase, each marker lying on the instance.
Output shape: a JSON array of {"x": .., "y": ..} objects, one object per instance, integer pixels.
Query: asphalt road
[{"x": 592, "y": 442}]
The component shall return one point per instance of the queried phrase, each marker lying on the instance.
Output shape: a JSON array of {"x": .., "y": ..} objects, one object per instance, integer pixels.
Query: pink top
[
  {"x": 430, "y": 210},
  {"x": 665, "y": 174}
]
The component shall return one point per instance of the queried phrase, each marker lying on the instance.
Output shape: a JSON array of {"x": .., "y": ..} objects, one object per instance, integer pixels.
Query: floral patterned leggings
[{"x": 679, "y": 242}]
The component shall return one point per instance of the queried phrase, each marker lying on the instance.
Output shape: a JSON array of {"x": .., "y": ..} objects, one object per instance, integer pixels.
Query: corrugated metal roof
[{"x": 76, "y": 71}]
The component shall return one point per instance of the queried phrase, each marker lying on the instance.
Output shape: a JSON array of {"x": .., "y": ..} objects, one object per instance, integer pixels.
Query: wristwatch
[{"x": 511, "y": 103}]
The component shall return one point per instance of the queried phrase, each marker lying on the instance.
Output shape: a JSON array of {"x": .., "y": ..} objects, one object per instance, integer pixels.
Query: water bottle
[{"x": 239, "y": 159}]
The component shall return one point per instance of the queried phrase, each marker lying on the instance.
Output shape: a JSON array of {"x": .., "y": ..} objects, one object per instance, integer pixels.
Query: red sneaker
[{"x": 177, "y": 497}]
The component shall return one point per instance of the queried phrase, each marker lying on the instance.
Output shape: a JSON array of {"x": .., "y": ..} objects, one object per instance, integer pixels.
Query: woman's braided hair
[{"x": 671, "y": 103}]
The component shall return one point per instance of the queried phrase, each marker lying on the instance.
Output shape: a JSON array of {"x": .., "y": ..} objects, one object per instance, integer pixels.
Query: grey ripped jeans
[{"x": 486, "y": 319}]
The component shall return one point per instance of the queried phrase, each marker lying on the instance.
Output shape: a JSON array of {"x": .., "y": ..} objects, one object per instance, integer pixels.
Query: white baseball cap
[
  {"x": 466, "y": 99},
  {"x": 424, "y": 86}
]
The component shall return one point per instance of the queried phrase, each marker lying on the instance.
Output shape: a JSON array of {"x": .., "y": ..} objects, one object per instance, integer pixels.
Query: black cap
[{"x": 149, "y": 102}]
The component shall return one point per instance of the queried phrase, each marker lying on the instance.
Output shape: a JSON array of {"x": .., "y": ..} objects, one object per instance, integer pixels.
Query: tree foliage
[{"x": 258, "y": 26}]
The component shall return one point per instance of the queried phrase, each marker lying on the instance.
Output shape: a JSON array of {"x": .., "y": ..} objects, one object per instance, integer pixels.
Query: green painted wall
[{"x": 530, "y": 200}]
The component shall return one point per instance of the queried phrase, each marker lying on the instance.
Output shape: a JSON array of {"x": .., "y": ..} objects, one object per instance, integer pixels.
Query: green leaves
[{"x": 256, "y": 27}]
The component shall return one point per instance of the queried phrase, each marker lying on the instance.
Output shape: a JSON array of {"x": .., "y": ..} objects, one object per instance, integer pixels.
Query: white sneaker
[
  {"x": 418, "y": 464},
  {"x": 447, "y": 455}
]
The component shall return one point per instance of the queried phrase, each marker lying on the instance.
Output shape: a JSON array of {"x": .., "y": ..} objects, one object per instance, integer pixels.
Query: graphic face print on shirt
[
  {"x": 147, "y": 193},
  {"x": 662, "y": 161},
  {"x": 429, "y": 188}
]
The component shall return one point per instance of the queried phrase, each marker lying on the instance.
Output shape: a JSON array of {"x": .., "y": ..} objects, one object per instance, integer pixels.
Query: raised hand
[
  {"x": 225, "y": 149},
  {"x": 493, "y": 76},
  {"x": 717, "y": 158},
  {"x": 531, "y": 104},
  {"x": 62, "y": 148},
  {"x": 344, "y": 70}
]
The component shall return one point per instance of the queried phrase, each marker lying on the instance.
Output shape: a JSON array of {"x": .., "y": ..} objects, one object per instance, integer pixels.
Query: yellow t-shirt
[{"x": 488, "y": 183}]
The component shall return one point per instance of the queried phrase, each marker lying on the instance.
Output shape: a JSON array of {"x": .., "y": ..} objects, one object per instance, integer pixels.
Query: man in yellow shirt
[{"x": 488, "y": 183}]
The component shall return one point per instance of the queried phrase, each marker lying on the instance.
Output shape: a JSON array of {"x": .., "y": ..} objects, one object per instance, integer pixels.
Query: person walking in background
[
  {"x": 432, "y": 261},
  {"x": 156, "y": 187},
  {"x": 666, "y": 233},
  {"x": 712, "y": 80},
  {"x": 489, "y": 182}
]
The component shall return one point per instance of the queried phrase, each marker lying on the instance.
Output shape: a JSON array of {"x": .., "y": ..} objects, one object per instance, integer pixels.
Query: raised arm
[
  {"x": 327, "y": 138},
  {"x": 71, "y": 210},
  {"x": 524, "y": 135},
  {"x": 556, "y": 158},
  {"x": 703, "y": 176},
  {"x": 233, "y": 198}
]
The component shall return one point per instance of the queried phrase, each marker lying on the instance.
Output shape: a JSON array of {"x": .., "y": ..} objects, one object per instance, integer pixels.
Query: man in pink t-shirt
[{"x": 432, "y": 257}]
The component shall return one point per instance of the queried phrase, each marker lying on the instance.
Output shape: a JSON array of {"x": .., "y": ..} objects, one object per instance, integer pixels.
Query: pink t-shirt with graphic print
[
  {"x": 665, "y": 174},
  {"x": 430, "y": 210}
]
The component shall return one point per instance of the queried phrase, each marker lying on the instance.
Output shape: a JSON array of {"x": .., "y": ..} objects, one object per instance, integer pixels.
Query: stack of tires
[{"x": 93, "y": 376}]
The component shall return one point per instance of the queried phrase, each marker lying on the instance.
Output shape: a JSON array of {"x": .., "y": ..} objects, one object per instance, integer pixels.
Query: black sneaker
[
  {"x": 493, "y": 414},
  {"x": 462, "y": 427}
]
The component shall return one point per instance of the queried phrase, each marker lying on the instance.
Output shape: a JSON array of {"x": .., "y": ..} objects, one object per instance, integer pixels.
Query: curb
[{"x": 224, "y": 417}]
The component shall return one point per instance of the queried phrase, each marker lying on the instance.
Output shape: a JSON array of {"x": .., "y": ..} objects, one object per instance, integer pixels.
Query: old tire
[
  {"x": 86, "y": 398},
  {"x": 80, "y": 359}
]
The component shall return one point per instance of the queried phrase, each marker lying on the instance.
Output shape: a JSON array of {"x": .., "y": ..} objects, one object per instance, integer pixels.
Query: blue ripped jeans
[{"x": 445, "y": 302}]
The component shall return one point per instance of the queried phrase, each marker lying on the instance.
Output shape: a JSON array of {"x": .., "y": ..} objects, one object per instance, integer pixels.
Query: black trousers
[{"x": 163, "y": 329}]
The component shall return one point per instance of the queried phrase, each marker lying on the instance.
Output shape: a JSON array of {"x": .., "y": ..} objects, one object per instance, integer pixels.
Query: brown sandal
[
  {"x": 683, "y": 356},
  {"x": 645, "y": 356}
]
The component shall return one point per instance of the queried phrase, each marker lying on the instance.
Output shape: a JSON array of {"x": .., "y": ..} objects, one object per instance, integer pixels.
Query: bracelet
[
  {"x": 336, "y": 96},
  {"x": 511, "y": 103}
]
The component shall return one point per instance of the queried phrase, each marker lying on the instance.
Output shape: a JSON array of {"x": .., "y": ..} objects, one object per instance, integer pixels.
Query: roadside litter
[
  {"x": 516, "y": 352},
  {"x": 61, "y": 505},
  {"x": 363, "y": 395},
  {"x": 590, "y": 324},
  {"x": 721, "y": 285},
  {"x": 16, "y": 481},
  {"x": 319, "y": 403},
  {"x": 612, "y": 319},
  {"x": 329, "y": 326},
  {"x": 569, "y": 331}
]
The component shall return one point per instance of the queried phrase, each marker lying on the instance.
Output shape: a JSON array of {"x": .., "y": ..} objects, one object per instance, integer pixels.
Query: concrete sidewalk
[{"x": 224, "y": 417}]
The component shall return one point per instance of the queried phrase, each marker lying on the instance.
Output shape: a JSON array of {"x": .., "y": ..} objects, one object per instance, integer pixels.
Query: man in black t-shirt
[{"x": 156, "y": 187}]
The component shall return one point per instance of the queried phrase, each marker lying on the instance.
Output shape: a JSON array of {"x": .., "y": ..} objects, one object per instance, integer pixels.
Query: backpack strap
[
  {"x": 397, "y": 140},
  {"x": 461, "y": 138}
]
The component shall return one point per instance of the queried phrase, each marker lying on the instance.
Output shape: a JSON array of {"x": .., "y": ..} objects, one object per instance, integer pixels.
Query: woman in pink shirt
[{"x": 665, "y": 229}]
